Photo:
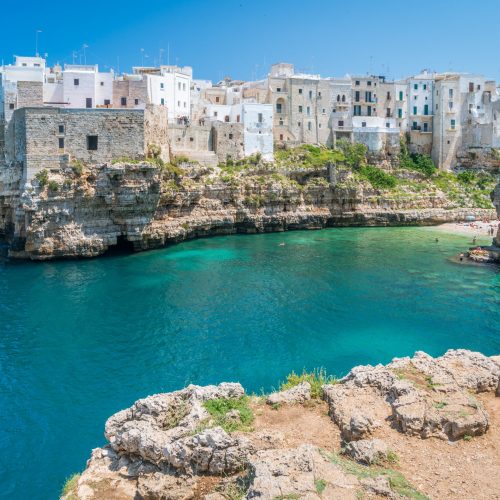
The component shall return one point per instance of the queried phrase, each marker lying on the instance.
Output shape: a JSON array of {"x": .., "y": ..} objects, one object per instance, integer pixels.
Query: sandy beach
[{"x": 476, "y": 228}]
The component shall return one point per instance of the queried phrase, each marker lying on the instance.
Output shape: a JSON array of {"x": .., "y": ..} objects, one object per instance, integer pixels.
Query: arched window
[
  {"x": 343, "y": 98},
  {"x": 338, "y": 98},
  {"x": 280, "y": 105}
]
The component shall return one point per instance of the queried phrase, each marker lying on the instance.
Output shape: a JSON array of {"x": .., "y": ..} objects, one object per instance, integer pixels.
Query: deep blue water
[{"x": 80, "y": 340}]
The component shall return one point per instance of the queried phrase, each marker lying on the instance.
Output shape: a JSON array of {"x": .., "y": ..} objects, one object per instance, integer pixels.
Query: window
[
  {"x": 308, "y": 125},
  {"x": 162, "y": 101},
  {"x": 61, "y": 142},
  {"x": 183, "y": 86},
  {"x": 226, "y": 118},
  {"x": 368, "y": 96},
  {"x": 388, "y": 113},
  {"x": 453, "y": 124},
  {"x": 357, "y": 82},
  {"x": 414, "y": 110},
  {"x": 102, "y": 84},
  {"x": 260, "y": 118},
  {"x": 323, "y": 111},
  {"x": 343, "y": 97},
  {"x": 426, "y": 109},
  {"x": 278, "y": 89},
  {"x": 136, "y": 101},
  {"x": 11, "y": 105},
  {"x": 215, "y": 114},
  {"x": 415, "y": 86},
  {"x": 281, "y": 137},
  {"x": 230, "y": 136},
  {"x": 76, "y": 82},
  {"x": 217, "y": 99},
  {"x": 123, "y": 101},
  {"x": 178, "y": 104},
  {"x": 162, "y": 86},
  {"x": 300, "y": 91},
  {"x": 369, "y": 83},
  {"x": 61, "y": 129},
  {"x": 356, "y": 96},
  {"x": 191, "y": 139},
  {"x": 369, "y": 111},
  {"x": 308, "y": 111},
  {"x": 357, "y": 110},
  {"x": 237, "y": 118},
  {"x": 425, "y": 86},
  {"x": 400, "y": 95},
  {"x": 450, "y": 93},
  {"x": 387, "y": 125},
  {"x": 319, "y": 94},
  {"x": 88, "y": 102},
  {"x": 388, "y": 96},
  {"x": 281, "y": 122},
  {"x": 414, "y": 126},
  {"x": 319, "y": 125},
  {"x": 450, "y": 105},
  {"x": 107, "y": 102},
  {"x": 179, "y": 85},
  {"x": 184, "y": 104},
  {"x": 341, "y": 123},
  {"x": 310, "y": 94},
  {"x": 426, "y": 127},
  {"x": 363, "y": 124},
  {"x": 400, "y": 113},
  {"x": 471, "y": 86},
  {"x": 300, "y": 109},
  {"x": 479, "y": 87},
  {"x": 279, "y": 107},
  {"x": 92, "y": 142},
  {"x": 298, "y": 124}
]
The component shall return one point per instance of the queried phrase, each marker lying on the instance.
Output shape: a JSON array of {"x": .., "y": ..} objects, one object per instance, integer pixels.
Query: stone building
[
  {"x": 50, "y": 138},
  {"x": 465, "y": 116}
]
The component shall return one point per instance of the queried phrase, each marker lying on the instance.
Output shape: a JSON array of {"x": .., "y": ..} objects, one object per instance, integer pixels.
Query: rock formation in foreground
[{"x": 417, "y": 428}]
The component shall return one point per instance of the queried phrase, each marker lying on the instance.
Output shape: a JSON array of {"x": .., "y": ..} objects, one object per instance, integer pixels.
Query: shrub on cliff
[
  {"x": 317, "y": 378},
  {"x": 417, "y": 162},
  {"x": 377, "y": 177},
  {"x": 42, "y": 177},
  {"x": 354, "y": 153}
]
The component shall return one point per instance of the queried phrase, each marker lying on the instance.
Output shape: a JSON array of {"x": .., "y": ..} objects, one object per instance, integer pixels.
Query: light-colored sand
[{"x": 478, "y": 228}]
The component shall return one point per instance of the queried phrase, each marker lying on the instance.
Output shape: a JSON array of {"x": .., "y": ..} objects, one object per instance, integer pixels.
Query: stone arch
[{"x": 280, "y": 105}]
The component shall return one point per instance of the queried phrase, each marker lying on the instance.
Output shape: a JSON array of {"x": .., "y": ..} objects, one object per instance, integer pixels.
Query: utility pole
[
  {"x": 161, "y": 55},
  {"x": 37, "y": 32},
  {"x": 84, "y": 47},
  {"x": 142, "y": 58}
]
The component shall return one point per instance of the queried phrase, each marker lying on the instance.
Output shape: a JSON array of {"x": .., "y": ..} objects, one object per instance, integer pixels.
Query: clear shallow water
[{"x": 81, "y": 340}]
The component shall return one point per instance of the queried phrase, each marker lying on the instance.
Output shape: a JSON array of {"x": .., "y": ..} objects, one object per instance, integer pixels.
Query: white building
[
  {"x": 84, "y": 87},
  {"x": 170, "y": 86}
]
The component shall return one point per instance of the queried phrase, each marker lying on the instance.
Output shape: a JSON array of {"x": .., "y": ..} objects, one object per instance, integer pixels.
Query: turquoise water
[{"x": 80, "y": 340}]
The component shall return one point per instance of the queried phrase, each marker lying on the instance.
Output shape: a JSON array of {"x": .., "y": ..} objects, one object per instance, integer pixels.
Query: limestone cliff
[
  {"x": 82, "y": 211},
  {"x": 417, "y": 428}
]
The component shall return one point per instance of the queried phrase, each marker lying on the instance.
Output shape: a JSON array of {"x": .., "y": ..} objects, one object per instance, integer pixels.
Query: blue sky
[{"x": 241, "y": 38}]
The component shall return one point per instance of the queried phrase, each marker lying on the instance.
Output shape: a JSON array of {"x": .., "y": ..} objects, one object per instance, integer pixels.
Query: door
[{"x": 88, "y": 102}]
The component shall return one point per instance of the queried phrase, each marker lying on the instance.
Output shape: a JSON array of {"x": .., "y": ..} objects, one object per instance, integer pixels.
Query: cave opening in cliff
[{"x": 123, "y": 245}]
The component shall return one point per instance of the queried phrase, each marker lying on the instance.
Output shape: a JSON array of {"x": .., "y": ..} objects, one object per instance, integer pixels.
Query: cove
[{"x": 80, "y": 340}]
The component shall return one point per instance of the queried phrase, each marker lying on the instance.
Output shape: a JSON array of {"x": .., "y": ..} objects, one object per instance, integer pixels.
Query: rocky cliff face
[
  {"x": 367, "y": 435},
  {"x": 82, "y": 212}
]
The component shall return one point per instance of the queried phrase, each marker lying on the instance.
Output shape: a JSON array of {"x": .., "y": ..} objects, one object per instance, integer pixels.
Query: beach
[{"x": 476, "y": 228}]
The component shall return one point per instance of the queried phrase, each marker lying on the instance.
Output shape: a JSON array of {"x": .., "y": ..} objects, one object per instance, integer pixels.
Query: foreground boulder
[{"x": 419, "y": 396}]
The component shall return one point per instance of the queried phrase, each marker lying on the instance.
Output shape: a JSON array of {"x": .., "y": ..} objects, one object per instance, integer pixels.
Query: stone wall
[
  {"x": 156, "y": 130},
  {"x": 194, "y": 138},
  {"x": 37, "y": 131},
  {"x": 29, "y": 94},
  {"x": 229, "y": 141}
]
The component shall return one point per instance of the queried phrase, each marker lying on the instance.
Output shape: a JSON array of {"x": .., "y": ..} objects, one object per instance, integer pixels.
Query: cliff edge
[
  {"x": 83, "y": 210},
  {"x": 417, "y": 428}
]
